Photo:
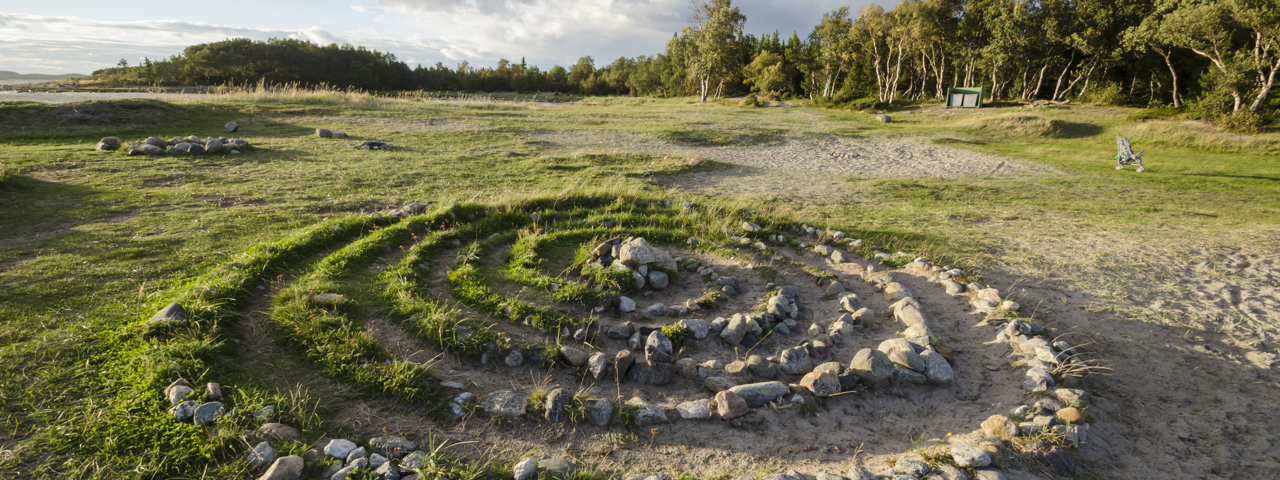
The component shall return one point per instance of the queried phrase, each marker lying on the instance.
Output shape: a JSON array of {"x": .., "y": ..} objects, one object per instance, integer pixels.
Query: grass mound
[{"x": 1028, "y": 125}]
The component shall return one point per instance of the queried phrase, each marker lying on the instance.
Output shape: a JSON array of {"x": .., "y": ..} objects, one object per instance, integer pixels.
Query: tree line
[{"x": 1219, "y": 56}]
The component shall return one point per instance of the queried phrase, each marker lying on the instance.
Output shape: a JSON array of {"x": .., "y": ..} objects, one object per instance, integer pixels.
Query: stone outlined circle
[{"x": 589, "y": 314}]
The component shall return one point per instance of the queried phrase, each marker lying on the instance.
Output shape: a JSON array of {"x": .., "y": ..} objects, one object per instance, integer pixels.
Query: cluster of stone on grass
[{"x": 189, "y": 145}]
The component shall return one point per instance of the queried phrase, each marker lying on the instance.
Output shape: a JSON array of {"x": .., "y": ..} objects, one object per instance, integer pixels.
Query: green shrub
[
  {"x": 1157, "y": 113},
  {"x": 1243, "y": 122},
  {"x": 750, "y": 101},
  {"x": 867, "y": 103}
]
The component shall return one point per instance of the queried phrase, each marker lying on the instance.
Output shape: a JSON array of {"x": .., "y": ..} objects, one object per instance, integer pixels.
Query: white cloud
[{"x": 546, "y": 32}]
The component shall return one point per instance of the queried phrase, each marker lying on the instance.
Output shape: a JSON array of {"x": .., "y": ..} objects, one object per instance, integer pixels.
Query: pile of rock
[
  {"x": 324, "y": 133},
  {"x": 183, "y": 410},
  {"x": 192, "y": 145}
]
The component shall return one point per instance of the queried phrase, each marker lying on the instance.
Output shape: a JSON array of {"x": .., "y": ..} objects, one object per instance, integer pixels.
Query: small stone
[
  {"x": 1038, "y": 380},
  {"x": 356, "y": 455},
  {"x": 835, "y": 288},
  {"x": 621, "y": 331},
  {"x": 695, "y": 409},
  {"x": 184, "y": 410},
  {"x": 718, "y": 384},
  {"x": 623, "y": 361},
  {"x": 505, "y": 402},
  {"x": 213, "y": 391},
  {"x": 970, "y": 457},
  {"x": 794, "y": 361},
  {"x": 601, "y": 412},
  {"x": 231, "y": 127},
  {"x": 700, "y": 328},
  {"x": 936, "y": 367},
  {"x": 658, "y": 279},
  {"x": 108, "y": 143},
  {"x": 952, "y": 287},
  {"x": 339, "y": 448},
  {"x": 760, "y": 367},
  {"x": 686, "y": 368},
  {"x": 999, "y": 426},
  {"x": 385, "y": 471},
  {"x": 460, "y": 403},
  {"x": 646, "y": 372},
  {"x": 915, "y": 468},
  {"x": 822, "y": 384},
  {"x": 850, "y": 302},
  {"x": 760, "y": 394},
  {"x": 1070, "y": 415},
  {"x": 626, "y": 305},
  {"x": 525, "y": 470},
  {"x": 557, "y": 404},
  {"x": 636, "y": 341},
  {"x": 171, "y": 312},
  {"x": 859, "y": 473},
  {"x": 597, "y": 365},
  {"x": 655, "y": 310},
  {"x": 285, "y": 468},
  {"x": 261, "y": 455},
  {"x": 276, "y": 431},
  {"x": 339, "y": 135},
  {"x": 207, "y": 413},
  {"x": 1071, "y": 396},
  {"x": 322, "y": 133},
  {"x": 647, "y": 413},
  {"x": 557, "y": 468},
  {"x": 176, "y": 393},
  {"x": 573, "y": 356},
  {"x": 514, "y": 359},
  {"x": 907, "y": 357},
  {"x": 750, "y": 227},
  {"x": 872, "y": 366},
  {"x": 730, "y": 405}
]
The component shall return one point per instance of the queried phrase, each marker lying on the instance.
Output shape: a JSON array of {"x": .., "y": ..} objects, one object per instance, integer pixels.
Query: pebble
[
  {"x": 339, "y": 448},
  {"x": 184, "y": 411},
  {"x": 694, "y": 409},
  {"x": 460, "y": 402},
  {"x": 970, "y": 457},
  {"x": 514, "y": 359},
  {"x": 261, "y": 455},
  {"x": 907, "y": 466},
  {"x": 730, "y": 405},
  {"x": 207, "y": 413},
  {"x": 525, "y": 470},
  {"x": 285, "y": 468}
]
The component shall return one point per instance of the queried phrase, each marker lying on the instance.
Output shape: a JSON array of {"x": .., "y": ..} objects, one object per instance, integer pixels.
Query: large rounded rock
[
  {"x": 700, "y": 328},
  {"x": 505, "y": 402},
  {"x": 872, "y": 366},
  {"x": 557, "y": 468},
  {"x": 573, "y": 356},
  {"x": 658, "y": 343},
  {"x": 231, "y": 127},
  {"x": 324, "y": 133},
  {"x": 907, "y": 357},
  {"x": 970, "y": 457},
  {"x": 822, "y": 384},
  {"x": 658, "y": 280},
  {"x": 637, "y": 252},
  {"x": 999, "y": 426},
  {"x": 601, "y": 412},
  {"x": 730, "y": 405},
  {"x": 735, "y": 330},
  {"x": 525, "y": 470},
  {"x": 261, "y": 455},
  {"x": 646, "y": 372},
  {"x": 557, "y": 405},
  {"x": 207, "y": 413},
  {"x": 760, "y": 394},
  {"x": 156, "y": 142},
  {"x": 850, "y": 302},
  {"x": 108, "y": 143},
  {"x": 276, "y": 431},
  {"x": 760, "y": 367},
  {"x": 794, "y": 361},
  {"x": 936, "y": 367},
  {"x": 339, "y": 448},
  {"x": 847, "y": 377},
  {"x": 285, "y": 468},
  {"x": 597, "y": 365},
  {"x": 647, "y": 413},
  {"x": 884, "y": 119}
]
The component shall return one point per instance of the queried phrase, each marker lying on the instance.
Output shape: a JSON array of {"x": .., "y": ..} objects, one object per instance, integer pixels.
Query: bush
[
  {"x": 1106, "y": 94},
  {"x": 1242, "y": 122},
  {"x": 750, "y": 101},
  {"x": 1157, "y": 113},
  {"x": 867, "y": 103}
]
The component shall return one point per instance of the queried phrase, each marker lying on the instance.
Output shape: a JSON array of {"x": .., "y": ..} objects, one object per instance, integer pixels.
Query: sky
[{"x": 79, "y": 36}]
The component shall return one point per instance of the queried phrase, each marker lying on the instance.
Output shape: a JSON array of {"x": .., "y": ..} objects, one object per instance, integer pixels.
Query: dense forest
[{"x": 1213, "y": 56}]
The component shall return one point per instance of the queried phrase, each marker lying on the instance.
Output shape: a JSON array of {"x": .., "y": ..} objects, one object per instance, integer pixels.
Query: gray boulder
[
  {"x": 884, "y": 119},
  {"x": 108, "y": 143},
  {"x": 936, "y": 367},
  {"x": 285, "y": 468},
  {"x": 504, "y": 402},
  {"x": 872, "y": 366},
  {"x": 658, "y": 280},
  {"x": 207, "y": 413},
  {"x": 794, "y": 361},
  {"x": 525, "y": 470},
  {"x": 261, "y": 455},
  {"x": 557, "y": 405},
  {"x": 646, "y": 372},
  {"x": 573, "y": 356},
  {"x": 231, "y": 127},
  {"x": 597, "y": 365},
  {"x": 699, "y": 327},
  {"x": 637, "y": 252},
  {"x": 323, "y": 133},
  {"x": 626, "y": 305},
  {"x": 760, "y": 394},
  {"x": 601, "y": 412},
  {"x": 655, "y": 310},
  {"x": 735, "y": 330},
  {"x": 647, "y": 413}
]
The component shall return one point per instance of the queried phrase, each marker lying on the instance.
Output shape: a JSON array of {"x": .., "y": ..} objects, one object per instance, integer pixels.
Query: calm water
[{"x": 44, "y": 97}]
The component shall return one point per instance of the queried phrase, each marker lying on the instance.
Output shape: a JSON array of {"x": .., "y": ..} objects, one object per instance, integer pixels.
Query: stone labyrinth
[{"x": 820, "y": 353}]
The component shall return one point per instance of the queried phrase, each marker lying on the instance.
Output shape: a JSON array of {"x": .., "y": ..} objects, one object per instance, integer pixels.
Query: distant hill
[{"x": 13, "y": 78}]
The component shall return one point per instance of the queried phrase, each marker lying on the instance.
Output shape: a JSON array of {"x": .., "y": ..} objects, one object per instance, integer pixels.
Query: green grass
[{"x": 92, "y": 243}]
